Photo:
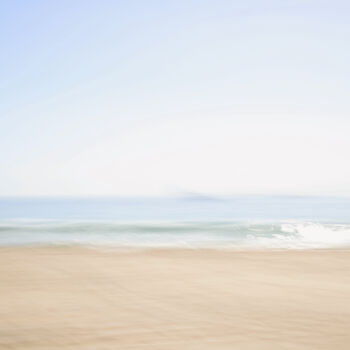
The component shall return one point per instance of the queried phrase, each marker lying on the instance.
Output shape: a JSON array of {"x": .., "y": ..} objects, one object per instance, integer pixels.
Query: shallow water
[{"x": 256, "y": 222}]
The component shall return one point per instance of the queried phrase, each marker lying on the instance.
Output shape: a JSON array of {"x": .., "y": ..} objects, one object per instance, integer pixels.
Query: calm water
[{"x": 280, "y": 222}]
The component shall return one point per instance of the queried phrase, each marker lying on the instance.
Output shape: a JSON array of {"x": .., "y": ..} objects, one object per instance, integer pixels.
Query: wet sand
[{"x": 96, "y": 299}]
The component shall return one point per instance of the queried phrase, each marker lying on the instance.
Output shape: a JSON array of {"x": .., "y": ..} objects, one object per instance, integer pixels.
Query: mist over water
[{"x": 193, "y": 221}]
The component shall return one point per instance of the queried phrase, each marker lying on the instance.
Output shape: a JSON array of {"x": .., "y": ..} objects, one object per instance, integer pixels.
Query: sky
[{"x": 153, "y": 98}]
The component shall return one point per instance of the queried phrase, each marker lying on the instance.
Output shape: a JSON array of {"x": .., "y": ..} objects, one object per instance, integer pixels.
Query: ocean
[{"x": 291, "y": 222}]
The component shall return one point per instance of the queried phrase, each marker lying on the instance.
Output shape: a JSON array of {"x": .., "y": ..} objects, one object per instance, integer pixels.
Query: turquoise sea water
[{"x": 193, "y": 221}]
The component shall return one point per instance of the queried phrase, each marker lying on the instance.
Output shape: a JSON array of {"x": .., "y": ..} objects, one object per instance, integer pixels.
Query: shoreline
[
  {"x": 212, "y": 247},
  {"x": 164, "y": 298}
]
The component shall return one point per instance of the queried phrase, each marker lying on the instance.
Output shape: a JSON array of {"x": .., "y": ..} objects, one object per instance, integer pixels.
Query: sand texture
[{"x": 96, "y": 299}]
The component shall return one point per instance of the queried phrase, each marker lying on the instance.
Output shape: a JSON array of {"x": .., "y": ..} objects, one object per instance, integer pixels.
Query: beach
[{"x": 105, "y": 298}]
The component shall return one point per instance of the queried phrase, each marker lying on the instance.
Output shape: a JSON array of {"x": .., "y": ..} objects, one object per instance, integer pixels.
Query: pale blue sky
[{"x": 152, "y": 97}]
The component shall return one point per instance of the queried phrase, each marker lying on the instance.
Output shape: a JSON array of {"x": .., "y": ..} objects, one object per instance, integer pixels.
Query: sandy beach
[{"x": 85, "y": 298}]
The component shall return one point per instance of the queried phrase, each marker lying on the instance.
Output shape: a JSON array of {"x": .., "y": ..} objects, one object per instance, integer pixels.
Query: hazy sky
[{"x": 158, "y": 97}]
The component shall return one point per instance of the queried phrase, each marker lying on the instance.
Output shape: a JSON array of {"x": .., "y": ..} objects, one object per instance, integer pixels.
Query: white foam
[{"x": 323, "y": 235}]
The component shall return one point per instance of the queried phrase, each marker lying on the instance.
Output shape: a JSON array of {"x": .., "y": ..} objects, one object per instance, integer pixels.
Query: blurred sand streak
[{"x": 95, "y": 299}]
